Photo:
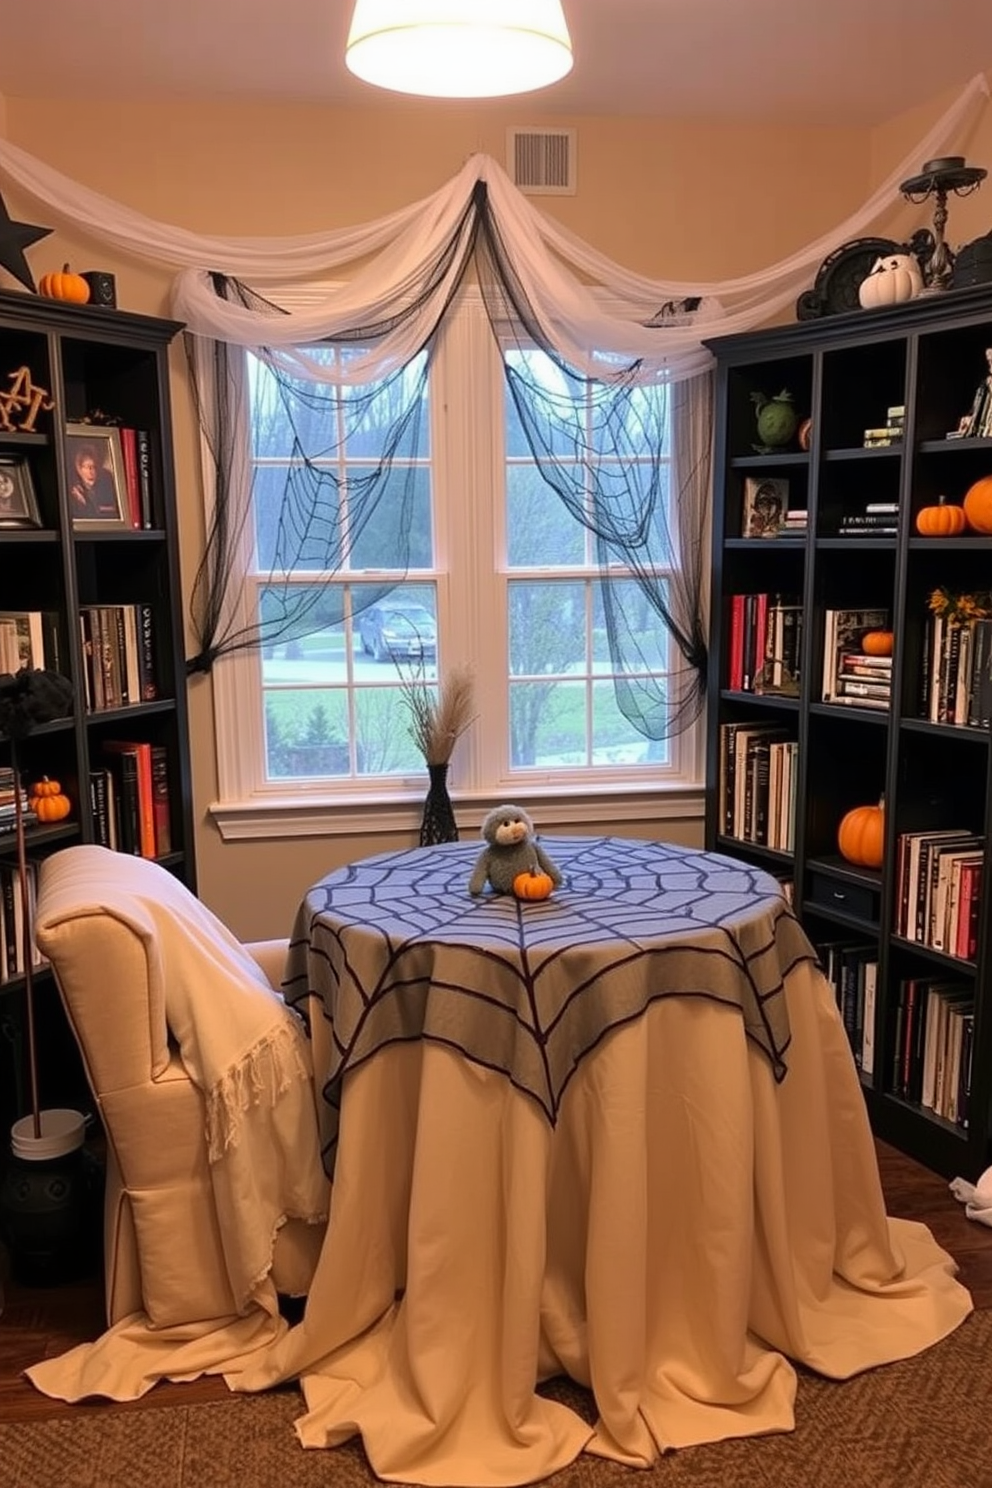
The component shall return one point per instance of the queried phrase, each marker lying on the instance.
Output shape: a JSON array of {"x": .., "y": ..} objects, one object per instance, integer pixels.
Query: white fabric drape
[{"x": 401, "y": 248}]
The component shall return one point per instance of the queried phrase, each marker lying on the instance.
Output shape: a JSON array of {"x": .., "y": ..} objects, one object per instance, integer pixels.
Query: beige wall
[{"x": 665, "y": 198}]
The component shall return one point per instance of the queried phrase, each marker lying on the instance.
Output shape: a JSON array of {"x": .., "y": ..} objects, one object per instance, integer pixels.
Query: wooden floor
[{"x": 38, "y": 1322}]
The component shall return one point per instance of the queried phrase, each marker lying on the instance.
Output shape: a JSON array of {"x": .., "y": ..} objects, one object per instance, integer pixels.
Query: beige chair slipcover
[{"x": 216, "y": 1197}]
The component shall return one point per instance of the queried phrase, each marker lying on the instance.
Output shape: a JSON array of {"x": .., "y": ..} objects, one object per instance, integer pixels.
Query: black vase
[{"x": 438, "y": 824}]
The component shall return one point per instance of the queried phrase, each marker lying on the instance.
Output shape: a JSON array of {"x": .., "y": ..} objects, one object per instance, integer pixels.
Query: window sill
[{"x": 288, "y": 817}]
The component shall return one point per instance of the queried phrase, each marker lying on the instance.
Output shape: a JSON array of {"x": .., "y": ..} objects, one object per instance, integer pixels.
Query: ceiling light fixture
[{"x": 459, "y": 48}]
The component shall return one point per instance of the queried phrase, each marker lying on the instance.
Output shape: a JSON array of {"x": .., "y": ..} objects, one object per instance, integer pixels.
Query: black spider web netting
[{"x": 331, "y": 461}]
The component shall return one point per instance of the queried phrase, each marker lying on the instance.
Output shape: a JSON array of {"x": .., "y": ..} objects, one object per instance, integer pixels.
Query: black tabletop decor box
[
  {"x": 103, "y": 288},
  {"x": 973, "y": 264}
]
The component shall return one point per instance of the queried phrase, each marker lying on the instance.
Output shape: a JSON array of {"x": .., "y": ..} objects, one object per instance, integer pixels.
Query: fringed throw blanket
[{"x": 239, "y": 1043}]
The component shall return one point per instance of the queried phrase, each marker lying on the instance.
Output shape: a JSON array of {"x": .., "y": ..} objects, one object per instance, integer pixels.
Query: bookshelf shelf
[
  {"x": 916, "y": 933},
  {"x": 795, "y": 458},
  {"x": 94, "y": 362},
  {"x": 859, "y": 453}
]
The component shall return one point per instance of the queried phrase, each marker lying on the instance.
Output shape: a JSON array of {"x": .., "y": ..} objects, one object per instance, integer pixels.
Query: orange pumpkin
[
  {"x": 942, "y": 520},
  {"x": 877, "y": 643},
  {"x": 978, "y": 505},
  {"x": 861, "y": 836},
  {"x": 64, "y": 286},
  {"x": 533, "y": 885},
  {"x": 47, "y": 801}
]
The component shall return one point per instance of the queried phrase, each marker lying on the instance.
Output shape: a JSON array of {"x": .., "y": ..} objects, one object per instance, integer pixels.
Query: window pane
[
  {"x": 292, "y": 611},
  {"x": 306, "y": 733},
  {"x": 553, "y": 400},
  {"x": 308, "y": 659},
  {"x": 383, "y": 741},
  {"x": 379, "y": 526},
  {"x": 615, "y": 740},
  {"x": 401, "y": 627},
  {"x": 541, "y": 531},
  {"x": 547, "y": 725},
  {"x": 547, "y": 627},
  {"x": 645, "y": 640},
  {"x": 389, "y": 415},
  {"x": 297, "y": 520}
]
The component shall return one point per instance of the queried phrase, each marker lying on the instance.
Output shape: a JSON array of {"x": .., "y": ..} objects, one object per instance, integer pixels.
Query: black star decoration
[{"x": 14, "y": 238}]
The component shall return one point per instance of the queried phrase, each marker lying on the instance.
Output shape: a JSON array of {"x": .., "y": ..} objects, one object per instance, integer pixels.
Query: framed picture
[
  {"x": 18, "y": 505},
  {"x": 95, "y": 472},
  {"x": 766, "y": 502}
]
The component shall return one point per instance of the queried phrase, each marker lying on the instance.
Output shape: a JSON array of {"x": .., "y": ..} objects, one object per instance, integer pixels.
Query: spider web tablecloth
[{"x": 397, "y": 950}]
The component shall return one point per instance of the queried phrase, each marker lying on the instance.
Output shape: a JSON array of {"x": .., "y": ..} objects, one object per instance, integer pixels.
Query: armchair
[{"x": 203, "y": 1080}]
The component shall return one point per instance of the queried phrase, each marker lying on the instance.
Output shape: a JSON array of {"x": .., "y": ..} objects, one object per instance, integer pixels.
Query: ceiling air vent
[{"x": 542, "y": 161}]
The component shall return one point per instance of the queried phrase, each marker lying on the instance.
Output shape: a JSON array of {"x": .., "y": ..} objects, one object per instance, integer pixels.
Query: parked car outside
[{"x": 399, "y": 630}]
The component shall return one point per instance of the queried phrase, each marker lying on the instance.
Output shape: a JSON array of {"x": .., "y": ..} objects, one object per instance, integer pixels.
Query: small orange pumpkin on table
[
  {"x": 533, "y": 884},
  {"x": 48, "y": 802},
  {"x": 861, "y": 836},
  {"x": 942, "y": 520}
]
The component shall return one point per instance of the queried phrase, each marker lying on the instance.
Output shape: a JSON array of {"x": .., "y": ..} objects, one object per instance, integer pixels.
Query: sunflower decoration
[{"x": 960, "y": 608}]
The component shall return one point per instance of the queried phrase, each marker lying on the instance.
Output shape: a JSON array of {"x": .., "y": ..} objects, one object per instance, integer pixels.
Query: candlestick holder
[{"x": 938, "y": 178}]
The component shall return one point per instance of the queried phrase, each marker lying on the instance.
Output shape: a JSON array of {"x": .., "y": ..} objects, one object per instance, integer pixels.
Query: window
[{"x": 499, "y": 574}]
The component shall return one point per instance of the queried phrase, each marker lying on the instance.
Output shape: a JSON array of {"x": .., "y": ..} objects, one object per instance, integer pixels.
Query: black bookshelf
[
  {"x": 846, "y": 374},
  {"x": 87, "y": 360}
]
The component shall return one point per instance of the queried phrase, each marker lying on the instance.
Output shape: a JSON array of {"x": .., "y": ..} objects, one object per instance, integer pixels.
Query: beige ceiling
[{"x": 816, "y": 61}]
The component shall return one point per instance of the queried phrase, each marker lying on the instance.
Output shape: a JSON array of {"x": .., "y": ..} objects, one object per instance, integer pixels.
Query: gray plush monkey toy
[{"x": 511, "y": 848}]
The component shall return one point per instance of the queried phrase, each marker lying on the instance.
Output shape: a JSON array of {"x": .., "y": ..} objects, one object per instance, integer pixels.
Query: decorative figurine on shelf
[
  {"x": 777, "y": 421},
  {"x": 891, "y": 280},
  {"x": 512, "y": 852},
  {"x": 977, "y": 422}
]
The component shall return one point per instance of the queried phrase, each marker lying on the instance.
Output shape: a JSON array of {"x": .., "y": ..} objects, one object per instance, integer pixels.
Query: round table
[
  {"x": 617, "y": 1135},
  {"x": 396, "y": 948}
]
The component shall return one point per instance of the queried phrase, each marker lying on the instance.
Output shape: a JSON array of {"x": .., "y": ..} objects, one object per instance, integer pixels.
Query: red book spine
[
  {"x": 969, "y": 901},
  {"x": 760, "y": 638},
  {"x": 735, "y": 671},
  {"x": 129, "y": 449},
  {"x": 141, "y": 752},
  {"x": 160, "y": 788}
]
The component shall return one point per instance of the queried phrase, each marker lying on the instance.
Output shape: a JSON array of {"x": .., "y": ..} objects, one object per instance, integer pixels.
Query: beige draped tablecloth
[
  {"x": 683, "y": 1199},
  {"x": 674, "y": 1202}
]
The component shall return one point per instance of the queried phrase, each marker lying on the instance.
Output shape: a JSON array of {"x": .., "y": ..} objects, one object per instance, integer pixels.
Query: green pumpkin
[{"x": 777, "y": 421}]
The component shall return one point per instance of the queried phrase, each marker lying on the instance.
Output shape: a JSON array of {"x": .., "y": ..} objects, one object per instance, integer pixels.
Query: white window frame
[{"x": 466, "y": 435}]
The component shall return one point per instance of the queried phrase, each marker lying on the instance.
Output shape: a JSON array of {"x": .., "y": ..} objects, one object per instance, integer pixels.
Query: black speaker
[{"x": 103, "y": 288}]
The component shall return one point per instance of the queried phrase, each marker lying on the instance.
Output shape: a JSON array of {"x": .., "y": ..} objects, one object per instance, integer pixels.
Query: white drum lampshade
[{"x": 459, "y": 48}]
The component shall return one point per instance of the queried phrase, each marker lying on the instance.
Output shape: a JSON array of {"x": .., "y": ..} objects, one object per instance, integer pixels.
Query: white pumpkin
[{"x": 890, "y": 281}]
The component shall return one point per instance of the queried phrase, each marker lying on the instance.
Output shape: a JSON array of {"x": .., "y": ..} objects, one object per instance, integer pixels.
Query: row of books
[
  {"x": 765, "y": 643},
  {"x": 852, "y": 971},
  {"x": 119, "y": 655},
  {"x": 850, "y": 676},
  {"x": 118, "y": 650},
  {"x": 758, "y": 771},
  {"x": 876, "y": 519},
  {"x": 129, "y": 799},
  {"x": 136, "y": 454},
  {"x": 12, "y": 950},
  {"x": 932, "y": 1047},
  {"x": 890, "y": 432},
  {"x": 938, "y": 891},
  {"x": 29, "y": 638},
  {"x": 8, "y": 802},
  {"x": 957, "y": 671}
]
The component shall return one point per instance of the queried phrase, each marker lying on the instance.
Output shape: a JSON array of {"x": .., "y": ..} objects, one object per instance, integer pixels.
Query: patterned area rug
[{"x": 920, "y": 1423}]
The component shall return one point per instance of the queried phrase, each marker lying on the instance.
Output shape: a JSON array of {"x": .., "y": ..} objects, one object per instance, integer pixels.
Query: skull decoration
[{"x": 891, "y": 280}]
